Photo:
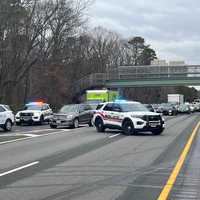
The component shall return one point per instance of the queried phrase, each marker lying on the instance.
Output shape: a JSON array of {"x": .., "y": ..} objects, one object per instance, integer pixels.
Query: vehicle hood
[
  {"x": 65, "y": 114},
  {"x": 30, "y": 111}
]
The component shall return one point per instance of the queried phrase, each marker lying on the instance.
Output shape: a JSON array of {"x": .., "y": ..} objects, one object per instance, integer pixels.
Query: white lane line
[
  {"x": 112, "y": 136},
  {"x": 52, "y": 133},
  {"x": 34, "y": 131},
  {"x": 30, "y": 135},
  {"x": 19, "y": 168},
  {"x": 28, "y": 138}
]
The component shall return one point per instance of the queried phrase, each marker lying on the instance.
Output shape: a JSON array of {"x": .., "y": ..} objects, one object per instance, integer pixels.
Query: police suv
[
  {"x": 6, "y": 118},
  {"x": 34, "y": 112},
  {"x": 128, "y": 116}
]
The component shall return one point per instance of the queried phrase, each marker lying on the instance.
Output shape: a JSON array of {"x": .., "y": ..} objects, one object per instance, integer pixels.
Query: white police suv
[
  {"x": 34, "y": 112},
  {"x": 128, "y": 116},
  {"x": 6, "y": 118}
]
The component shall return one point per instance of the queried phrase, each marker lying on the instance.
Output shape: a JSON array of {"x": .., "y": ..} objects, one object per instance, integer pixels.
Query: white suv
[
  {"x": 34, "y": 112},
  {"x": 128, "y": 116},
  {"x": 6, "y": 118}
]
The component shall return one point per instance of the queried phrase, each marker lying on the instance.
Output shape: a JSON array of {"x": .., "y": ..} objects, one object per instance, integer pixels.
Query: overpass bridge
[{"x": 142, "y": 76}]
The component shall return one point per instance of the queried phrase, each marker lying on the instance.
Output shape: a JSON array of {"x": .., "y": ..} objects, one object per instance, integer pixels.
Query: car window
[
  {"x": 45, "y": 107},
  {"x": 99, "y": 106},
  {"x": 2, "y": 109},
  {"x": 7, "y": 107},
  {"x": 87, "y": 107},
  {"x": 69, "y": 108},
  {"x": 116, "y": 107},
  {"x": 108, "y": 107}
]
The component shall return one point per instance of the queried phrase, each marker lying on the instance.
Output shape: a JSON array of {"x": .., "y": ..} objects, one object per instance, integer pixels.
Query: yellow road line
[{"x": 170, "y": 183}]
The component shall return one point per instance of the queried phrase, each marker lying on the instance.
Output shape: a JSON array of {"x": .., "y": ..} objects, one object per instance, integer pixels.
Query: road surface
[{"x": 81, "y": 164}]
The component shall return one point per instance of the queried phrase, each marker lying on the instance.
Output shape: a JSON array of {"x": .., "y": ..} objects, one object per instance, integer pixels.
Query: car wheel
[
  {"x": 8, "y": 125},
  {"x": 75, "y": 123},
  {"x": 99, "y": 125},
  {"x": 41, "y": 120},
  {"x": 157, "y": 132},
  {"x": 53, "y": 126},
  {"x": 90, "y": 123},
  {"x": 128, "y": 127}
]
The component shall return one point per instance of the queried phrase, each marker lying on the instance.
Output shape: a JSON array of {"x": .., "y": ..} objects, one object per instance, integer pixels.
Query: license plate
[
  {"x": 154, "y": 124},
  {"x": 26, "y": 118},
  {"x": 58, "y": 122}
]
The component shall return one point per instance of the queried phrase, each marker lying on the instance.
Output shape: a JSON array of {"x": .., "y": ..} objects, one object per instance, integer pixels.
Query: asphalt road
[{"x": 81, "y": 164}]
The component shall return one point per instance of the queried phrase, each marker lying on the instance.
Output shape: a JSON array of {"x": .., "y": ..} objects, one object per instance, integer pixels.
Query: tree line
[{"x": 46, "y": 46}]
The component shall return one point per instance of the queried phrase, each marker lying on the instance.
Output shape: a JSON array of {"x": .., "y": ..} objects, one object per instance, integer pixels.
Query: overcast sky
[{"x": 170, "y": 26}]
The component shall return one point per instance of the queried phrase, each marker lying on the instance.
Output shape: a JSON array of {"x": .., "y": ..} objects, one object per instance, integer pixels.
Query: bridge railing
[
  {"x": 137, "y": 73},
  {"x": 148, "y": 72}
]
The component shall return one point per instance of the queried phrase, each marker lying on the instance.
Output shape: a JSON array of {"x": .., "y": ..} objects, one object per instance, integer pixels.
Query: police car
[
  {"x": 128, "y": 116},
  {"x": 34, "y": 112},
  {"x": 6, "y": 118}
]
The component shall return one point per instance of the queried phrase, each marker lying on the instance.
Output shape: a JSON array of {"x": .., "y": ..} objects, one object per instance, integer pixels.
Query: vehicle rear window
[
  {"x": 108, "y": 107},
  {"x": 99, "y": 106},
  {"x": 7, "y": 107},
  {"x": 2, "y": 109}
]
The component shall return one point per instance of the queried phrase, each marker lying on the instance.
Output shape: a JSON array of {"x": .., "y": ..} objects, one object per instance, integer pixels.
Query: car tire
[
  {"x": 75, "y": 123},
  {"x": 90, "y": 123},
  {"x": 53, "y": 126},
  {"x": 128, "y": 127},
  {"x": 99, "y": 125},
  {"x": 41, "y": 120},
  {"x": 8, "y": 125},
  {"x": 158, "y": 132},
  {"x": 18, "y": 123}
]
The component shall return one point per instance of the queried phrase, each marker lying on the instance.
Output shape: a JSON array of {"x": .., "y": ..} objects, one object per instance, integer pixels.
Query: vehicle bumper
[
  {"x": 61, "y": 123},
  {"x": 27, "y": 120},
  {"x": 149, "y": 127}
]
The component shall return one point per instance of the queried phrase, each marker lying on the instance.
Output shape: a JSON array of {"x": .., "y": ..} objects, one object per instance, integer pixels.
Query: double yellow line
[{"x": 172, "y": 179}]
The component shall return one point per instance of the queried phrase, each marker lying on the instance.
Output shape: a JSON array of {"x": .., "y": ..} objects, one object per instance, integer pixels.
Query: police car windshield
[
  {"x": 133, "y": 107},
  {"x": 68, "y": 109},
  {"x": 33, "y": 107}
]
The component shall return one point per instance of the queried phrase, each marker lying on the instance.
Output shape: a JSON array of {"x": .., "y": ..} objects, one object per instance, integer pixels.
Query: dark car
[
  {"x": 167, "y": 109},
  {"x": 149, "y": 107},
  {"x": 72, "y": 115}
]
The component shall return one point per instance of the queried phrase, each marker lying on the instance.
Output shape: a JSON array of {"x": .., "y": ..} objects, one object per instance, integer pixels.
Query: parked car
[
  {"x": 6, "y": 117},
  {"x": 72, "y": 115},
  {"x": 34, "y": 112},
  {"x": 184, "y": 108},
  {"x": 167, "y": 109}
]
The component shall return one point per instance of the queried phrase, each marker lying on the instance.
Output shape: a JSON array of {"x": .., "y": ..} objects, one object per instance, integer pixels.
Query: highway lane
[{"x": 83, "y": 164}]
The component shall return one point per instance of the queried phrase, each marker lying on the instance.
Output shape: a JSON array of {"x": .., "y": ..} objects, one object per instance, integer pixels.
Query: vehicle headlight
[
  {"x": 36, "y": 114},
  {"x": 18, "y": 114},
  {"x": 70, "y": 116}
]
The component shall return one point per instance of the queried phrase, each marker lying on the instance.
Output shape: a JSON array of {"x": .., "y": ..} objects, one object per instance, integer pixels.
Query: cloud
[{"x": 170, "y": 26}]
